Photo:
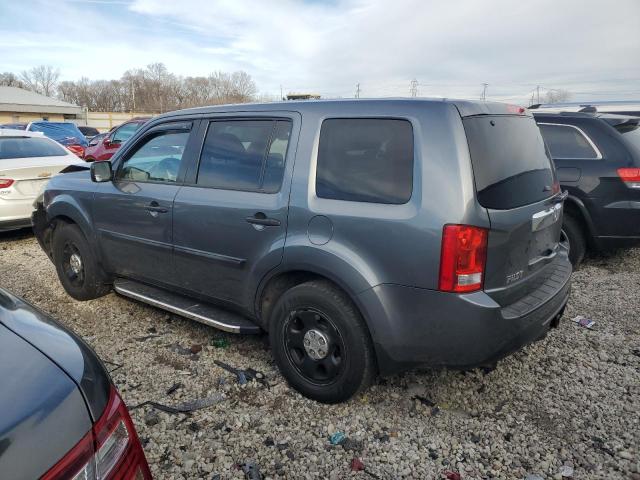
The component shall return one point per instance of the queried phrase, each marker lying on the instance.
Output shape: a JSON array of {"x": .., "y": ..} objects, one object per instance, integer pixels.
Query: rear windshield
[
  {"x": 510, "y": 162},
  {"x": 632, "y": 134},
  {"x": 27, "y": 147}
]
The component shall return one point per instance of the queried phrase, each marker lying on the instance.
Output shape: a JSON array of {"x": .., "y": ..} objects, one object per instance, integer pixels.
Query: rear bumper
[
  {"x": 7, "y": 225},
  {"x": 15, "y": 213},
  {"x": 413, "y": 326}
]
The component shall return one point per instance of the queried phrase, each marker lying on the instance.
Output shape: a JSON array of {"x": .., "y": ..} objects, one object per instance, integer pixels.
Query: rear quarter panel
[{"x": 372, "y": 244}]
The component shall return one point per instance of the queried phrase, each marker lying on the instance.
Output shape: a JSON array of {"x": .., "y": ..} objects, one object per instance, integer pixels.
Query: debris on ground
[
  {"x": 186, "y": 407},
  {"x": 452, "y": 475},
  {"x": 566, "y": 471},
  {"x": 533, "y": 476},
  {"x": 337, "y": 438},
  {"x": 180, "y": 350},
  {"x": 144, "y": 338},
  {"x": 356, "y": 465},
  {"x": 251, "y": 470},
  {"x": 195, "y": 348},
  {"x": 116, "y": 365},
  {"x": 219, "y": 342},
  {"x": 244, "y": 376},
  {"x": 382, "y": 437},
  {"x": 349, "y": 444},
  {"x": 584, "y": 322},
  {"x": 424, "y": 400},
  {"x": 151, "y": 418},
  {"x": 174, "y": 387}
]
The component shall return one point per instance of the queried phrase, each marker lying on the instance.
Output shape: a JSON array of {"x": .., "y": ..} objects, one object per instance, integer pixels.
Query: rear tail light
[
  {"x": 111, "y": 450},
  {"x": 6, "y": 182},
  {"x": 76, "y": 149},
  {"x": 630, "y": 176},
  {"x": 463, "y": 258}
]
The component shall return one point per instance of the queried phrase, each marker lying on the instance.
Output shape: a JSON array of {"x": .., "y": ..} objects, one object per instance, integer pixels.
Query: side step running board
[{"x": 186, "y": 307}]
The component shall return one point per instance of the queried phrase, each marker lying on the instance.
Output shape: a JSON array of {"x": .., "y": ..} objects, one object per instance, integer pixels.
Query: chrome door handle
[{"x": 261, "y": 219}]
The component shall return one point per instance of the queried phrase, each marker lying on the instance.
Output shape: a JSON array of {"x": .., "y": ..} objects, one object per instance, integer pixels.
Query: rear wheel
[
  {"x": 77, "y": 267},
  {"x": 321, "y": 343},
  {"x": 574, "y": 233}
]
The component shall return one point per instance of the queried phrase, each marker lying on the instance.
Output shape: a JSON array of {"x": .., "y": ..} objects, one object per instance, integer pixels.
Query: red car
[{"x": 104, "y": 147}]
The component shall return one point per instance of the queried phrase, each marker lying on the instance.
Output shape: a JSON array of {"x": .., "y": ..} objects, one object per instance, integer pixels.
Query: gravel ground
[{"x": 572, "y": 399}]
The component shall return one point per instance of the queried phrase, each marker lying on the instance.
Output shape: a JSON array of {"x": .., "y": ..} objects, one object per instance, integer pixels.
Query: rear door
[
  {"x": 230, "y": 218},
  {"x": 515, "y": 182}
]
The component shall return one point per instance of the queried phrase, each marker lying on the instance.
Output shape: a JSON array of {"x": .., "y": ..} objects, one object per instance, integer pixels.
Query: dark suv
[
  {"x": 365, "y": 236},
  {"x": 597, "y": 158}
]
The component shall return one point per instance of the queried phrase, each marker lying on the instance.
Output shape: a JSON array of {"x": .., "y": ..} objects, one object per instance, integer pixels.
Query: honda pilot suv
[{"x": 365, "y": 237}]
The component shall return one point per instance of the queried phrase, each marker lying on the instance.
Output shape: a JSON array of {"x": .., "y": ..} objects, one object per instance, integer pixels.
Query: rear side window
[
  {"x": 244, "y": 155},
  {"x": 365, "y": 160},
  {"x": 29, "y": 147},
  {"x": 567, "y": 142},
  {"x": 510, "y": 163}
]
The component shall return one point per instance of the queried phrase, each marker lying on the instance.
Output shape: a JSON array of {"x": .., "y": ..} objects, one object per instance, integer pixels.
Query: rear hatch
[{"x": 516, "y": 183}]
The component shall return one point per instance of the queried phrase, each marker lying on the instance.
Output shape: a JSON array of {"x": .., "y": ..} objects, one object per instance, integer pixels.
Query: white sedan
[{"x": 27, "y": 161}]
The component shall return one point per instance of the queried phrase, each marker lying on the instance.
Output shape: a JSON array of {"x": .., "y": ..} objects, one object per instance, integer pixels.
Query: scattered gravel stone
[{"x": 571, "y": 399}]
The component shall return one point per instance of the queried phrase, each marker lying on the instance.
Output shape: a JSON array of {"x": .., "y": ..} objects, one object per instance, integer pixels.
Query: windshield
[
  {"x": 28, "y": 147},
  {"x": 511, "y": 165},
  {"x": 66, "y": 133}
]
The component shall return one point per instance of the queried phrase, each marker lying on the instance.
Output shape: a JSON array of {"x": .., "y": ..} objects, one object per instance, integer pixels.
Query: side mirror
[
  {"x": 114, "y": 141},
  {"x": 101, "y": 172}
]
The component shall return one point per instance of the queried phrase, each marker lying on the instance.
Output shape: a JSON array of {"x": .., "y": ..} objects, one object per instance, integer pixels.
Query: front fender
[{"x": 67, "y": 206}]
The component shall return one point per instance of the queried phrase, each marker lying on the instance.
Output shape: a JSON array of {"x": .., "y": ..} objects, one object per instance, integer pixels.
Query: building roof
[{"x": 13, "y": 99}]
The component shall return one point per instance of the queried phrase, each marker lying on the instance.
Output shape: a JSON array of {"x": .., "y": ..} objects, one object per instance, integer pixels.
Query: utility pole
[
  {"x": 133, "y": 95},
  {"x": 538, "y": 90},
  {"x": 484, "y": 92},
  {"x": 281, "y": 94},
  {"x": 357, "y": 90},
  {"x": 413, "y": 90}
]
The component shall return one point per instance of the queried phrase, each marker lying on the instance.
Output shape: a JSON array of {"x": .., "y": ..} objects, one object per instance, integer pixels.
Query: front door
[
  {"x": 230, "y": 221},
  {"x": 133, "y": 213}
]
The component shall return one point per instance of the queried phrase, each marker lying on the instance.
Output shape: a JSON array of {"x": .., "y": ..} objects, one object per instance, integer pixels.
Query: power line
[{"x": 413, "y": 90}]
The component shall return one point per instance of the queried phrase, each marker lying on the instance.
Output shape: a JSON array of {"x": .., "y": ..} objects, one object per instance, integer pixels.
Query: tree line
[{"x": 151, "y": 89}]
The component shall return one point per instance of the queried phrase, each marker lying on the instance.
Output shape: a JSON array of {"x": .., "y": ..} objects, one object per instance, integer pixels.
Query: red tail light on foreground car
[
  {"x": 6, "y": 182},
  {"x": 110, "y": 451},
  {"x": 630, "y": 176},
  {"x": 462, "y": 258}
]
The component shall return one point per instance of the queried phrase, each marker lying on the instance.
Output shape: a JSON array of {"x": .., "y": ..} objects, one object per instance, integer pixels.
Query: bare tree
[
  {"x": 8, "y": 79},
  {"x": 42, "y": 79},
  {"x": 557, "y": 96}
]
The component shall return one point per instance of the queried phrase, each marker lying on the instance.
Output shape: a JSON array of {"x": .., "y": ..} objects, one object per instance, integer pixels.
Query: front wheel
[
  {"x": 321, "y": 343},
  {"x": 76, "y": 264}
]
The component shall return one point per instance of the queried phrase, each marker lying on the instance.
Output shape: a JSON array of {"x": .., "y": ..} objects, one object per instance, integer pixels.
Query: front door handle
[
  {"x": 261, "y": 219},
  {"x": 154, "y": 208}
]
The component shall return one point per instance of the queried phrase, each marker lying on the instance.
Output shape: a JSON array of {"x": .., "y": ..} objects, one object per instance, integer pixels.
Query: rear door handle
[{"x": 261, "y": 219}]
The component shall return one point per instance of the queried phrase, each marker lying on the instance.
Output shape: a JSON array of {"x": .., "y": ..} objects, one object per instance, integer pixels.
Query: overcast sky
[{"x": 588, "y": 47}]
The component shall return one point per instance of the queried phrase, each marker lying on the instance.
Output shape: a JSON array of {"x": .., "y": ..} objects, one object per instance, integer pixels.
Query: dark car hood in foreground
[{"x": 61, "y": 346}]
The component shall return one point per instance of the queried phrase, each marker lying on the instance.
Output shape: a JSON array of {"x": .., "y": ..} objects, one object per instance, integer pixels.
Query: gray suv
[{"x": 365, "y": 237}]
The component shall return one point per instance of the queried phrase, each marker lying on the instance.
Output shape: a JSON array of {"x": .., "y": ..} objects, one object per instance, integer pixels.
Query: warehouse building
[{"x": 22, "y": 106}]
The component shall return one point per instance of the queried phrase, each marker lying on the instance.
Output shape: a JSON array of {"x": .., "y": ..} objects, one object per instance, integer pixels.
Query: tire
[
  {"x": 577, "y": 242},
  {"x": 76, "y": 264},
  {"x": 324, "y": 316}
]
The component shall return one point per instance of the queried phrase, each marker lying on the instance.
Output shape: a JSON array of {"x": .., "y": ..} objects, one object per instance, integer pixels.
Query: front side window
[
  {"x": 244, "y": 155},
  {"x": 157, "y": 159},
  {"x": 125, "y": 132},
  {"x": 365, "y": 160},
  {"x": 29, "y": 147},
  {"x": 567, "y": 142}
]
